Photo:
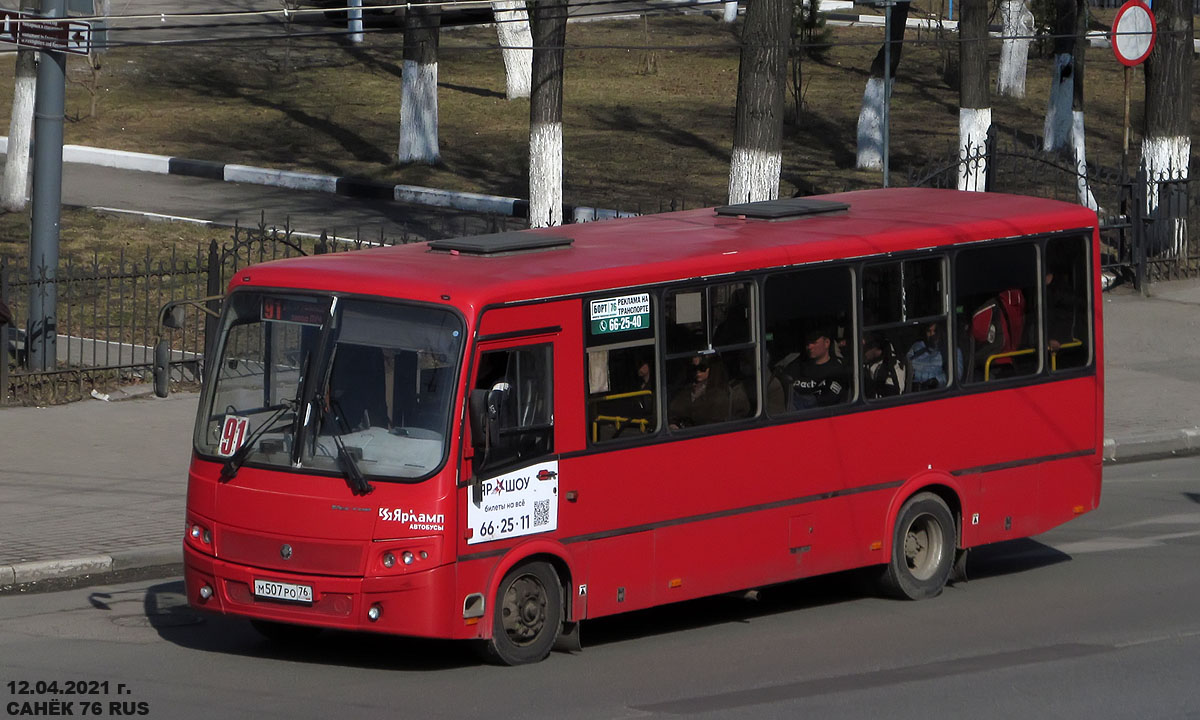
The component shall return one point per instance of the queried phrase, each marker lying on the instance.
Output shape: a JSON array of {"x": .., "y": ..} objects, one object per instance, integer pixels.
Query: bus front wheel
[
  {"x": 922, "y": 549},
  {"x": 528, "y": 615}
]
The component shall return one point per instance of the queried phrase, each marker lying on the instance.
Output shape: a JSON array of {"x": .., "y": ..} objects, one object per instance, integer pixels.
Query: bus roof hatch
[
  {"x": 783, "y": 209},
  {"x": 504, "y": 243}
]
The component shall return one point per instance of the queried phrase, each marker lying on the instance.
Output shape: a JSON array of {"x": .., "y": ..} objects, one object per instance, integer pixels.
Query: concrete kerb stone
[
  {"x": 294, "y": 180},
  {"x": 1151, "y": 446},
  {"x": 61, "y": 568}
]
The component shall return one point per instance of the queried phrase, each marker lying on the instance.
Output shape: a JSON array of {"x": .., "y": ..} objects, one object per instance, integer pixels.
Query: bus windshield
[{"x": 303, "y": 381}]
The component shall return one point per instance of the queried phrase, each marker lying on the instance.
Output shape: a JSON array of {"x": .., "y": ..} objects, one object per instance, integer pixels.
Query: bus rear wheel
[
  {"x": 922, "y": 549},
  {"x": 528, "y": 615}
]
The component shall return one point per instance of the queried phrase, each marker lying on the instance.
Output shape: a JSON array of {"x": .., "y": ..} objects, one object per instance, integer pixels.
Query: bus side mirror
[
  {"x": 172, "y": 316},
  {"x": 162, "y": 368}
]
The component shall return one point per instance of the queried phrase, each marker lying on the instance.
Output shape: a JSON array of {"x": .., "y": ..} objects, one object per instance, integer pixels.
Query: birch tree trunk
[
  {"x": 418, "y": 94},
  {"x": 975, "y": 111},
  {"x": 516, "y": 45},
  {"x": 1166, "y": 143},
  {"x": 762, "y": 78},
  {"x": 730, "y": 12},
  {"x": 13, "y": 195},
  {"x": 549, "y": 28},
  {"x": 1078, "y": 141},
  {"x": 870, "y": 117},
  {"x": 1014, "y": 50},
  {"x": 1056, "y": 130}
]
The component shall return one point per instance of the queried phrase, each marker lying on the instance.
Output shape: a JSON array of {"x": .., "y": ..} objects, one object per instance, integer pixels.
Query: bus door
[{"x": 510, "y": 469}]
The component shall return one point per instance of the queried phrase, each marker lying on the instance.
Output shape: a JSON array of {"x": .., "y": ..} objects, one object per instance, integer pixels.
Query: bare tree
[
  {"x": 1017, "y": 22},
  {"x": 975, "y": 105},
  {"x": 1057, "y": 129},
  {"x": 762, "y": 79},
  {"x": 13, "y": 195},
  {"x": 870, "y": 117},
  {"x": 516, "y": 41},
  {"x": 1078, "y": 138},
  {"x": 418, "y": 89},
  {"x": 549, "y": 27},
  {"x": 1166, "y": 139}
]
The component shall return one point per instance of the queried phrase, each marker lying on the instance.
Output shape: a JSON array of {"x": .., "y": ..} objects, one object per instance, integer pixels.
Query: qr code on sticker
[{"x": 541, "y": 512}]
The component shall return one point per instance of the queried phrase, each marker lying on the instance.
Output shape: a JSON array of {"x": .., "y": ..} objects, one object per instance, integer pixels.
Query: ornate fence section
[
  {"x": 1144, "y": 221},
  {"x": 108, "y": 312}
]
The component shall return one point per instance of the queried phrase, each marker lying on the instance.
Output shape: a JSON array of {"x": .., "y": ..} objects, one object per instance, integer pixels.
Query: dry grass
[{"x": 632, "y": 137}]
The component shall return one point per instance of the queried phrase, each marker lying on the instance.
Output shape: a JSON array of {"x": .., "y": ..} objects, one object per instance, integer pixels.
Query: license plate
[{"x": 283, "y": 591}]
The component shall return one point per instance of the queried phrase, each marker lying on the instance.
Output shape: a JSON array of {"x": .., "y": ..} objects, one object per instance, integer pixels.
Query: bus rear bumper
[{"x": 419, "y": 604}]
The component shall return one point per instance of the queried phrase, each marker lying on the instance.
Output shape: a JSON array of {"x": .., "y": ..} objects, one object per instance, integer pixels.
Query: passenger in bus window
[
  {"x": 997, "y": 327},
  {"x": 706, "y": 397},
  {"x": 822, "y": 379},
  {"x": 927, "y": 357},
  {"x": 884, "y": 374}
]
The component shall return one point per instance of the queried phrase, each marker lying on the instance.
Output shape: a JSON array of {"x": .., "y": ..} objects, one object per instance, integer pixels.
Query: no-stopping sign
[{"x": 1133, "y": 33}]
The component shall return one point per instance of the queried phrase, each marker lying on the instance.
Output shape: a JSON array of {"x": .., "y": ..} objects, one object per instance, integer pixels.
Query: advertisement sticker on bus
[
  {"x": 233, "y": 434},
  {"x": 523, "y": 502},
  {"x": 620, "y": 314}
]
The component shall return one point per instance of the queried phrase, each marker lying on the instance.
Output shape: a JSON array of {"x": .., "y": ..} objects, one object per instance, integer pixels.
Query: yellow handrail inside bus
[
  {"x": 1064, "y": 346},
  {"x": 618, "y": 420},
  {"x": 987, "y": 366}
]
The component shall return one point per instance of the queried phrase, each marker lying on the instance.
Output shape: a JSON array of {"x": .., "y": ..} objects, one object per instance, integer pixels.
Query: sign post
[{"x": 1133, "y": 34}]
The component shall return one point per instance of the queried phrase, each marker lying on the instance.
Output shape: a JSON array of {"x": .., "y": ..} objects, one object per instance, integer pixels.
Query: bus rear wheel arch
[
  {"x": 527, "y": 616},
  {"x": 923, "y": 549}
]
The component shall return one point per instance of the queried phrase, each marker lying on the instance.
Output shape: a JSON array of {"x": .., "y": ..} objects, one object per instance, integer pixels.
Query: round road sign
[{"x": 1133, "y": 33}]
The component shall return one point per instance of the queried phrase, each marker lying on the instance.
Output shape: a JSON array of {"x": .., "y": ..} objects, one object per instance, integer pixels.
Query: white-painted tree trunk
[
  {"x": 870, "y": 126},
  {"x": 355, "y": 25},
  {"x": 516, "y": 45},
  {"x": 754, "y": 175},
  {"x": 545, "y": 174},
  {"x": 1056, "y": 132},
  {"x": 973, "y": 124},
  {"x": 419, "y": 114},
  {"x": 20, "y": 130},
  {"x": 1014, "y": 49},
  {"x": 730, "y": 12},
  {"x": 1079, "y": 152},
  {"x": 1166, "y": 158}
]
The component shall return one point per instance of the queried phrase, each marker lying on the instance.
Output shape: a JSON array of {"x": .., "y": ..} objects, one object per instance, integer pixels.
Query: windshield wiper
[
  {"x": 354, "y": 476},
  {"x": 231, "y": 466}
]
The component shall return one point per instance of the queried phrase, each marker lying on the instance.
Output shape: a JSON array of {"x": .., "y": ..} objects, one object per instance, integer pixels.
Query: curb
[
  {"x": 1152, "y": 446},
  {"x": 337, "y": 185},
  {"x": 37, "y": 570}
]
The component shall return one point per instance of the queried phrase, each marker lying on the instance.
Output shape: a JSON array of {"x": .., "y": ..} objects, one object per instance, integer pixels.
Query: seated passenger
[
  {"x": 706, "y": 397},
  {"x": 884, "y": 374},
  {"x": 927, "y": 358},
  {"x": 821, "y": 380}
]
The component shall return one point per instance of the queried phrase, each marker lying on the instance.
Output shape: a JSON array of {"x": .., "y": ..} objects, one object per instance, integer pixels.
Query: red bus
[{"x": 494, "y": 438}]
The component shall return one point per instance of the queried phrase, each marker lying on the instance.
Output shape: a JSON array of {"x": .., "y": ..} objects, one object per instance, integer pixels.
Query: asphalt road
[{"x": 1096, "y": 619}]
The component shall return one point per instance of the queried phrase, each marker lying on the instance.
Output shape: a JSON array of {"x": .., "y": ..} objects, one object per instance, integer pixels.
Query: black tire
[
  {"x": 923, "y": 546},
  {"x": 285, "y": 633},
  {"x": 528, "y": 615}
]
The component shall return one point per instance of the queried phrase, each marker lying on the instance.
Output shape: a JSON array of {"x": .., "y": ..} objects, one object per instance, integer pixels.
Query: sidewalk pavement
[{"x": 97, "y": 487}]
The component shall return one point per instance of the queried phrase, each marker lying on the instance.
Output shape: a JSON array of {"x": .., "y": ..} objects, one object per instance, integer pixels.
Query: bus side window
[
  {"x": 1068, "y": 316},
  {"x": 521, "y": 408},
  {"x": 904, "y": 346},
  {"x": 997, "y": 294},
  {"x": 810, "y": 355}
]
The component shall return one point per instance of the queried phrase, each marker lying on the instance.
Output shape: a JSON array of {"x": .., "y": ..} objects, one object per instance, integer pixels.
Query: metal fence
[
  {"x": 1144, "y": 220},
  {"x": 107, "y": 320}
]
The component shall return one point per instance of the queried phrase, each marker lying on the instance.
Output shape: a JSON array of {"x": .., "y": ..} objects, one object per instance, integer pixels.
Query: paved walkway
[{"x": 95, "y": 486}]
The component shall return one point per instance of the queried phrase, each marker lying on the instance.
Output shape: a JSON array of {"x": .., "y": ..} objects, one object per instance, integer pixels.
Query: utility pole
[{"x": 42, "y": 338}]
